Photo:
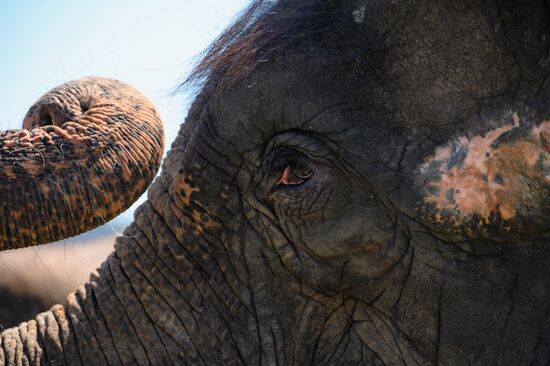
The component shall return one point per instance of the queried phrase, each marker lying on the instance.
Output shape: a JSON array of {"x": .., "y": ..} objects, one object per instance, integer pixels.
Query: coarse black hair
[{"x": 264, "y": 27}]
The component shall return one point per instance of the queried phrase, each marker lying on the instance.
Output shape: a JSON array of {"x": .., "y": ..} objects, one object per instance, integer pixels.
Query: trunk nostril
[
  {"x": 45, "y": 119},
  {"x": 56, "y": 114},
  {"x": 84, "y": 106}
]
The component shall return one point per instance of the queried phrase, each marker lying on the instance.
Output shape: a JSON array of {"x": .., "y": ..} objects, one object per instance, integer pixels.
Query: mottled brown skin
[
  {"x": 295, "y": 219},
  {"x": 88, "y": 149},
  {"x": 496, "y": 184}
]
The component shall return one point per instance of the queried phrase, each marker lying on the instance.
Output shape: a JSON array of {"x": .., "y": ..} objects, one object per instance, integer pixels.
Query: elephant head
[
  {"x": 88, "y": 149},
  {"x": 356, "y": 182}
]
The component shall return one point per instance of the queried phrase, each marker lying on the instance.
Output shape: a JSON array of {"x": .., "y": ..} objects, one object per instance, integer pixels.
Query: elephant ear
[
  {"x": 88, "y": 149},
  {"x": 495, "y": 184}
]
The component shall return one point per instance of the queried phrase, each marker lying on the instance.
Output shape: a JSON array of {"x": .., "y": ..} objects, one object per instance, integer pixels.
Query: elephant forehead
[
  {"x": 273, "y": 99},
  {"x": 423, "y": 72}
]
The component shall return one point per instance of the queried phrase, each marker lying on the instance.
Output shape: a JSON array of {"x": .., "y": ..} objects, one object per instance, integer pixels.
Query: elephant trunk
[
  {"x": 87, "y": 150},
  {"x": 174, "y": 291}
]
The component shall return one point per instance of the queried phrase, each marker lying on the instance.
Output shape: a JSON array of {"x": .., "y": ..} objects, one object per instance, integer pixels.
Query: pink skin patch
[{"x": 503, "y": 173}]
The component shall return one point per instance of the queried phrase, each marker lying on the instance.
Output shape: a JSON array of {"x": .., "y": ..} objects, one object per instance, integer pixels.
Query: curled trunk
[{"x": 87, "y": 150}]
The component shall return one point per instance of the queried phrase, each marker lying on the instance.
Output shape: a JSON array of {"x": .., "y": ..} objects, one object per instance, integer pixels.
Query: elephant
[{"x": 356, "y": 182}]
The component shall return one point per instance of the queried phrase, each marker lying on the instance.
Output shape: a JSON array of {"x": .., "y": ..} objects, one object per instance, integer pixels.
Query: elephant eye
[
  {"x": 294, "y": 175},
  {"x": 284, "y": 170}
]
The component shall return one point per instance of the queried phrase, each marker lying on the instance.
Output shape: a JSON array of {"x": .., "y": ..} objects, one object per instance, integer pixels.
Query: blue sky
[{"x": 149, "y": 44}]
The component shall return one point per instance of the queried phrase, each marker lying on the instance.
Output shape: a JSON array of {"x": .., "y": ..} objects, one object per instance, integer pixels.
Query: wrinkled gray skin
[{"x": 224, "y": 265}]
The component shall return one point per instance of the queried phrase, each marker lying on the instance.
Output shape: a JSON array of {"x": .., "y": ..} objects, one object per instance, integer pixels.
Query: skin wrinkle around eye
[
  {"x": 284, "y": 197},
  {"x": 282, "y": 152},
  {"x": 311, "y": 216},
  {"x": 300, "y": 184}
]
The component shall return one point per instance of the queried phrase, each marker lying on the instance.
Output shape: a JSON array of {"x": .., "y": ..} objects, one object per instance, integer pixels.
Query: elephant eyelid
[
  {"x": 289, "y": 161},
  {"x": 294, "y": 176}
]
